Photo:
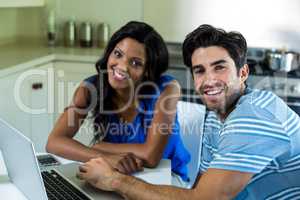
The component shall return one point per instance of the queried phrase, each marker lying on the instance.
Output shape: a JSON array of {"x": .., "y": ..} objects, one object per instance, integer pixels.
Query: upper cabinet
[{"x": 21, "y": 3}]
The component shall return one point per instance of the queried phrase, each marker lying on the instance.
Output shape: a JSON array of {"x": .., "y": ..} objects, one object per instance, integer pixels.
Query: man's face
[{"x": 216, "y": 78}]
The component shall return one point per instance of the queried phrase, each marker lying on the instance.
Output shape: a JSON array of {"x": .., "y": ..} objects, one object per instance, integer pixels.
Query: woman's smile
[{"x": 119, "y": 74}]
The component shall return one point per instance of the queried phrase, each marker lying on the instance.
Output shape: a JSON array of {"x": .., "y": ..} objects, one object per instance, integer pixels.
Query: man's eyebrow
[
  {"x": 197, "y": 66},
  {"x": 218, "y": 62},
  {"x": 211, "y": 64}
]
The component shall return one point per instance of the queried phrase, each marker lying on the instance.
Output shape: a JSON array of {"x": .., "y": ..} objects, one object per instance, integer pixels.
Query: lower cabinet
[
  {"x": 33, "y": 99},
  {"x": 69, "y": 75},
  {"x": 25, "y": 100},
  {"x": 41, "y": 95},
  {"x": 13, "y": 102}
]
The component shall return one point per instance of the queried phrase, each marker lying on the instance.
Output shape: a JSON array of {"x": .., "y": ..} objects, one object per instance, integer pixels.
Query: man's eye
[
  {"x": 198, "y": 71},
  {"x": 219, "y": 67}
]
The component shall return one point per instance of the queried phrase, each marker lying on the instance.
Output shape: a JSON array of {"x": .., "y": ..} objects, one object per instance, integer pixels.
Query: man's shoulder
[{"x": 259, "y": 104}]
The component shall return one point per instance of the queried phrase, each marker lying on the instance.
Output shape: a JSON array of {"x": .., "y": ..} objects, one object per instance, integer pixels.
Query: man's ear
[{"x": 244, "y": 72}]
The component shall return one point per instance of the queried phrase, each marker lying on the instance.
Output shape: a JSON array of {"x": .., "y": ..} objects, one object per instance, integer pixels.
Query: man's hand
[
  {"x": 98, "y": 173},
  {"x": 126, "y": 163}
]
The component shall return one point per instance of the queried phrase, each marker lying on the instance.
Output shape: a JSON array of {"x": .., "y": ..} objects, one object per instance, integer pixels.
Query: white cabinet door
[
  {"x": 14, "y": 98},
  {"x": 41, "y": 98},
  {"x": 68, "y": 76},
  {"x": 26, "y": 102},
  {"x": 22, "y": 3}
]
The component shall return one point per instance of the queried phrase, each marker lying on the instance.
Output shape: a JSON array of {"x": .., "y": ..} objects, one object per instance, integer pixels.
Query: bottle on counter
[
  {"x": 102, "y": 34},
  {"x": 51, "y": 28},
  {"x": 86, "y": 31},
  {"x": 70, "y": 36}
]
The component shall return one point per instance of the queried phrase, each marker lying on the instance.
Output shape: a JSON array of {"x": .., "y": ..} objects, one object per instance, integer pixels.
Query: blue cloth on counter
[
  {"x": 136, "y": 131},
  {"x": 260, "y": 136}
]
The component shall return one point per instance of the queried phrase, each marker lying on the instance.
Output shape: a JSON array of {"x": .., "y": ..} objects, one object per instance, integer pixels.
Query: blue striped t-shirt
[{"x": 261, "y": 136}]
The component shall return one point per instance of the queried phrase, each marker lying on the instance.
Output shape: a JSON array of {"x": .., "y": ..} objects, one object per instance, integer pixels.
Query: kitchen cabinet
[
  {"x": 25, "y": 100},
  {"x": 41, "y": 100},
  {"x": 10, "y": 111},
  {"x": 22, "y": 3},
  {"x": 51, "y": 90},
  {"x": 68, "y": 76},
  {"x": 34, "y": 98}
]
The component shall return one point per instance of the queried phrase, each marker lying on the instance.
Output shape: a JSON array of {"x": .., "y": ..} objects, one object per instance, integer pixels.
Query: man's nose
[{"x": 209, "y": 77}]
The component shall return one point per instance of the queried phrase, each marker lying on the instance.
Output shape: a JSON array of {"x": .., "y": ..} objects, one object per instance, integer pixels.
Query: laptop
[{"x": 42, "y": 184}]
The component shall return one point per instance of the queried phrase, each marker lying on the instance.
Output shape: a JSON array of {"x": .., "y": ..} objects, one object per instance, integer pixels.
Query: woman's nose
[{"x": 123, "y": 65}]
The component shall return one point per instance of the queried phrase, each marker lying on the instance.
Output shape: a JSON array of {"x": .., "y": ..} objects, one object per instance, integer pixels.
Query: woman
[{"x": 133, "y": 107}]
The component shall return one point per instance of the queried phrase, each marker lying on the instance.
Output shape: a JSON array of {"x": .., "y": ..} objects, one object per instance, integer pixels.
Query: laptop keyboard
[
  {"x": 58, "y": 188},
  {"x": 47, "y": 160}
]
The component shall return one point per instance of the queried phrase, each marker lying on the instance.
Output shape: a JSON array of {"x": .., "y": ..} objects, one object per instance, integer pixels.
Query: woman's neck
[{"x": 124, "y": 99}]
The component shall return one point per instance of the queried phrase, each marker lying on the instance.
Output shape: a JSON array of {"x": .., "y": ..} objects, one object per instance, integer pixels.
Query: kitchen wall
[
  {"x": 7, "y": 24},
  {"x": 31, "y": 22},
  {"x": 114, "y": 12},
  {"x": 21, "y": 22},
  {"x": 267, "y": 23}
]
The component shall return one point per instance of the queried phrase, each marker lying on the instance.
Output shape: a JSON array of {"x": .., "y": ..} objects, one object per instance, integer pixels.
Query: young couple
[{"x": 251, "y": 144}]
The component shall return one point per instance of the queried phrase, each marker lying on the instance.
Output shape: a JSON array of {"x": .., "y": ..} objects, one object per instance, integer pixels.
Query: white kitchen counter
[{"x": 20, "y": 56}]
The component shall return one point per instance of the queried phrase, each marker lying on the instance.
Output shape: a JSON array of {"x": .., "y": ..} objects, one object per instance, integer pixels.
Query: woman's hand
[{"x": 126, "y": 163}]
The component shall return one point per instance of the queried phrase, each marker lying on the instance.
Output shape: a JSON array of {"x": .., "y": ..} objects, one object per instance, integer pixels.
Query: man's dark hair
[{"x": 207, "y": 35}]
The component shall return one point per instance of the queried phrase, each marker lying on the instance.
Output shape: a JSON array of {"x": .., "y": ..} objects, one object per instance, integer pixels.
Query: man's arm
[{"x": 215, "y": 184}]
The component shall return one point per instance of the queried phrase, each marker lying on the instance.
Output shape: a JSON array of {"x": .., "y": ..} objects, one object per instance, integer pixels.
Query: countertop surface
[{"x": 21, "y": 55}]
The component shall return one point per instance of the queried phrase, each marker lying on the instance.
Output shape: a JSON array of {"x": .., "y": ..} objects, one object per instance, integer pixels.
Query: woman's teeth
[{"x": 119, "y": 74}]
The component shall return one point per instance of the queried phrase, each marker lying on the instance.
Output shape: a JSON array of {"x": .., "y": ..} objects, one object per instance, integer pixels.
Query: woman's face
[{"x": 126, "y": 64}]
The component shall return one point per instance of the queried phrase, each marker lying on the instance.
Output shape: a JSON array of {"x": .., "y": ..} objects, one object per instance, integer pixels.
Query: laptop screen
[{"x": 21, "y": 163}]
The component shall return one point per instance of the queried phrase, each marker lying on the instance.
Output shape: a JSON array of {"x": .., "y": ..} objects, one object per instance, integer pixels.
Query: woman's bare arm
[{"x": 60, "y": 141}]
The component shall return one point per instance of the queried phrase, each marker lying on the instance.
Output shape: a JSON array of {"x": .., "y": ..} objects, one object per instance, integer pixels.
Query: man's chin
[{"x": 213, "y": 107}]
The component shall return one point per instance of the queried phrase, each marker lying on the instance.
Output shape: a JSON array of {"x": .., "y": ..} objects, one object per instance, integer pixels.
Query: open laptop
[{"x": 23, "y": 170}]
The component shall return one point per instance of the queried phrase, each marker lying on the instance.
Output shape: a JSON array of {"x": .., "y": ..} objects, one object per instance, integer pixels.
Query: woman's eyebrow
[{"x": 119, "y": 49}]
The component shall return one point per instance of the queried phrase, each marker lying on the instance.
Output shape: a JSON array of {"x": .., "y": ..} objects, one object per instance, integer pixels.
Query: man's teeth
[{"x": 213, "y": 92}]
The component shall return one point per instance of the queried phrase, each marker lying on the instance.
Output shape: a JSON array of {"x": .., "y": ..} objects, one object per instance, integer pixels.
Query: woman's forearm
[
  {"x": 140, "y": 150},
  {"x": 137, "y": 149},
  {"x": 72, "y": 149}
]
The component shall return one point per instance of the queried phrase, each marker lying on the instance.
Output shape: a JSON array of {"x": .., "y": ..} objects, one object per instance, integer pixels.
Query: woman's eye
[
  {"x": 117, "y": 53},
  {"x": 136, "y": 63}
]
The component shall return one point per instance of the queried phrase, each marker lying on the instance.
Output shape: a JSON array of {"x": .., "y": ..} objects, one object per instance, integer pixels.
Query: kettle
[
  {"x": 273, "y": 59},
  {"x": 85, "y": 34},
  {"x": 284, "y": 61},
  {"x": 289, "y": 61}
]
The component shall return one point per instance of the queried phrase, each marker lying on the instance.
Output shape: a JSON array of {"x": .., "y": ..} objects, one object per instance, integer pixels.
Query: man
[{"x": 251, "y": 145}]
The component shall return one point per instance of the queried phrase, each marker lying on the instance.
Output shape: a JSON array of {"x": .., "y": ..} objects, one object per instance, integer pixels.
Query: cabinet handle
[{"x": 37, "y": 86}]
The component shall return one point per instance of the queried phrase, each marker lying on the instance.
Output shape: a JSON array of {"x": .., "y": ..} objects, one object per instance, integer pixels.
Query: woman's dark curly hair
[{"x": 157, "y": 62}]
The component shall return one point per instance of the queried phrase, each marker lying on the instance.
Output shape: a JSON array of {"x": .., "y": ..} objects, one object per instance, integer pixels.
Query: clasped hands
[{"x": 104, "y": 172}]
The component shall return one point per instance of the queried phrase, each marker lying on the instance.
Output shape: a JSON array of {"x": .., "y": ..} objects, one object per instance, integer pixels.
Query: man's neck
[{"x": 225, "y": 113}]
